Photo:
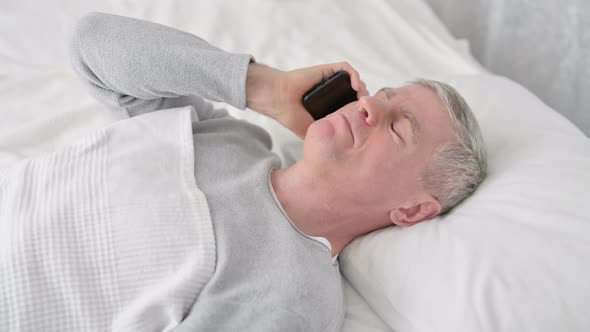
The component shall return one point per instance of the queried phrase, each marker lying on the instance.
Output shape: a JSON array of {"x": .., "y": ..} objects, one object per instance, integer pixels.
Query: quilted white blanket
[{"x": 110, "y": 233}]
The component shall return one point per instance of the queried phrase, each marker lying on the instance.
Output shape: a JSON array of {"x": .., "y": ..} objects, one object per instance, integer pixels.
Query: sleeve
[{"x": 138, "y": 66}]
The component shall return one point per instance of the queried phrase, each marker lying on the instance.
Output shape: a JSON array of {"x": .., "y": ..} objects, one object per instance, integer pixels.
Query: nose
[{"x": 374, "y": 109}]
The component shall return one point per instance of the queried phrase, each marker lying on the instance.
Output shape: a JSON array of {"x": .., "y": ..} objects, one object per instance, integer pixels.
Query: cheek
[
  {"x": 377, "y": 165},
  {"x": 385, "y": 168},
  {"x": 322, "y": 144},
  {"x": 320, "y": 130}
]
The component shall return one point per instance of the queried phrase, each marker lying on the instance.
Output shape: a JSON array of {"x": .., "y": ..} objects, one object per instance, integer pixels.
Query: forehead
[{"x": 416, "y": 95}]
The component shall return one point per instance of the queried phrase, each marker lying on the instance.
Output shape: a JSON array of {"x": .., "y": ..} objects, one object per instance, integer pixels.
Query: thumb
[{"x": 298, "y": 122}]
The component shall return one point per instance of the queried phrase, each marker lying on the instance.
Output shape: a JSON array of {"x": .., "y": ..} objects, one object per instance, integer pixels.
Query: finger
[
  {"x": 330, "y": 69},
  {"x": 296, "y": 121},
  {"x": 363, "y": 90},
  {"x": 300, "y": 124},
  {"x": 355, "y": 79},
  {"x": 327, "y": 70}
]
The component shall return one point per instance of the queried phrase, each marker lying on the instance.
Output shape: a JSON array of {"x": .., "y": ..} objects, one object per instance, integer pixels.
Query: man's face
[{"x": 375, "y": 150}]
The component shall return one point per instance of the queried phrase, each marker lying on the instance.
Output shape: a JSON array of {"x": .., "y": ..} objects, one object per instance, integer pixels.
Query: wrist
[{"x": 261, "y": 83}]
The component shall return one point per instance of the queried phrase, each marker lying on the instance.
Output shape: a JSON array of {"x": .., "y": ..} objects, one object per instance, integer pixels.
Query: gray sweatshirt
[{"x": 269, "y": 276}]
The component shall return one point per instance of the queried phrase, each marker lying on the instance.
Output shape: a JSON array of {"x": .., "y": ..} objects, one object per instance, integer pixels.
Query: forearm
[{"x": 138, "y": 64}]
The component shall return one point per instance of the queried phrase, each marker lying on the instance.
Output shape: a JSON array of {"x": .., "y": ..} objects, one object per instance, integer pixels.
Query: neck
[{"x": 318, "y": 208}]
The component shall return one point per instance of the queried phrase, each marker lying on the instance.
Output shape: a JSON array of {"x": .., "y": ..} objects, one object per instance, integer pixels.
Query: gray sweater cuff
[{"x": 239, "y": 73}]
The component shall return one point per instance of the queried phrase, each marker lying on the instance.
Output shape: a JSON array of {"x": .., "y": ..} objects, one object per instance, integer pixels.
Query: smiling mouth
[{"x": 348, "y": 125}]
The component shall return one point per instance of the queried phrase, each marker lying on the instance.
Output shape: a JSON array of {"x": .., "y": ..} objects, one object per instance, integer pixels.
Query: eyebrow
[{"x": 390, "y": 92}]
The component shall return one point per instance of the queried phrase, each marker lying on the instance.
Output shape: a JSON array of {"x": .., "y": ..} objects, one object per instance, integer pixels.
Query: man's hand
[{"x": 278, "y": 94}]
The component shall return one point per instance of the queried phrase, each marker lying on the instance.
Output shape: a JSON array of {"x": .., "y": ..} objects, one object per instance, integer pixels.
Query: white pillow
[{"x": 515, "y": 256}]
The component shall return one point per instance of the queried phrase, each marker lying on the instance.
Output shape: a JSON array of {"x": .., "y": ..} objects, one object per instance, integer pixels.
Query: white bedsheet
[{"x": 44, "y": 107}]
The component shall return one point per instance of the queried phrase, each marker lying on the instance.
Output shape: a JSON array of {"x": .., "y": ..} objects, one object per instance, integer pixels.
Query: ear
[{"x": 413, "y": 212}]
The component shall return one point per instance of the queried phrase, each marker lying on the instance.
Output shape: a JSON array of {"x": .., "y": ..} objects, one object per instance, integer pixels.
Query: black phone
[{"x": 329, "y": 95}]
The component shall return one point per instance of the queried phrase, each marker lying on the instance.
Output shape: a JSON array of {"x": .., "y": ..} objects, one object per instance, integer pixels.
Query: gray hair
[{"x": 456, "y": 169}]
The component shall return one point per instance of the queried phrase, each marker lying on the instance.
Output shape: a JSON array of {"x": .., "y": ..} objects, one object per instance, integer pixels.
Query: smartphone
[{"x": 329, "y": 95}]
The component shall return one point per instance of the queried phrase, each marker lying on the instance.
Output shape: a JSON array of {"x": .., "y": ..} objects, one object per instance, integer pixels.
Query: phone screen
[{"x": 329, "y": 95}]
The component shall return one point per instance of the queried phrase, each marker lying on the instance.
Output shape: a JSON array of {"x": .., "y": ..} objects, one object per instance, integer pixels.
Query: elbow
[
  {"x": 85, "y": 40},
  {"x": 88, "y": 31}
]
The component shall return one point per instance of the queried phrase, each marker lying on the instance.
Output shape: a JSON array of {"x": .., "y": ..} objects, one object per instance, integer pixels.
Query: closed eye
[{"x": 395, "y": 132}]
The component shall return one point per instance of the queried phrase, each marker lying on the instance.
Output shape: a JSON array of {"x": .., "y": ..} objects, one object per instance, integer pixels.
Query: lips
[{"x": 348, "y": 125}]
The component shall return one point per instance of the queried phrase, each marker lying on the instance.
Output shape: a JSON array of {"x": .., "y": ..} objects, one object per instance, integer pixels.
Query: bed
[{"x": 513, "y": 257}]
